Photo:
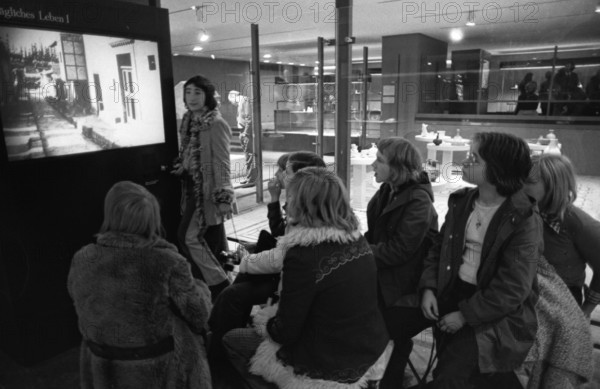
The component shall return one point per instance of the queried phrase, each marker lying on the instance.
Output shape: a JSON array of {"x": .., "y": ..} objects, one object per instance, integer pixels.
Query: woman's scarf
[{"x": 191, "y": 127}]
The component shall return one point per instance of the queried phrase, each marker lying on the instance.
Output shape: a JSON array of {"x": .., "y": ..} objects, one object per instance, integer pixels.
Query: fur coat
[
  {"x": 328, "y": 331},
  {"x": 561, "y": 356},
  {"x": 129, "y": 292}
]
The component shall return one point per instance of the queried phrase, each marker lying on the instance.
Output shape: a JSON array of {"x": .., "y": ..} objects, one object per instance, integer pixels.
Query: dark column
[{"x": 343, "y": 63}]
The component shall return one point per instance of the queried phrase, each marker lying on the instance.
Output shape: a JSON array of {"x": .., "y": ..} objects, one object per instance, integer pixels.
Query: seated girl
[
  {"x": 326, "y": 330},
  {"x": 571, "y": 236},
  {"x": 478, "y": 286},
  {"x": 141, "y": 313}
]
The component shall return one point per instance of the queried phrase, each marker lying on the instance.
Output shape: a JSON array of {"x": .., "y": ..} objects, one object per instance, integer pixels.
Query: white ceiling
[{"x": 288, "y": 30}]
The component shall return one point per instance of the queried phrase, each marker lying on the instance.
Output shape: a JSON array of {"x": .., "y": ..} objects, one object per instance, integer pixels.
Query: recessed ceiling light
[
  {"x": 197, "y": 48},
  {"x": 279, "y": 62},
  {"x": 267, "y": 56},
  {"x": 456, "y": 35},
  {"x": 316, "y": 61},
  {"x": 175, "y": 54},
  {"x": 301, "y": 64},
  {"x": 290, "y": 63},
  {"x": 598, "y": 9},
  {"x": 266, "y": 61},
  {"x": 212, "y": 56}
]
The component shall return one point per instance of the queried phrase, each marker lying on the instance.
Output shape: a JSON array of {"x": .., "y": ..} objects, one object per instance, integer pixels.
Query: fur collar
[
  {"x": 124, "y": 240},
  {"x": 266, "y": 364},
  {"x": 304, "y": 236}
]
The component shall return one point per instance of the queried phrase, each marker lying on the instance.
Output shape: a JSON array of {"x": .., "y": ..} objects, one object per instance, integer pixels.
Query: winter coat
[
  {"x": 576, "y": 244},
  {"x": 131, "y": 293},
  {"x": 501, "y": 311},
  {"x": 277, "y": 222},
  {"x": 400, "y": 234},
  {"x": 561, "y": 356},
  {"x": 215, "y": 165},
  {"x": 328, "y": 328}
]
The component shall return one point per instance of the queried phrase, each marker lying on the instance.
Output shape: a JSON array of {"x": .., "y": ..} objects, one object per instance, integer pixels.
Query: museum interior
[{"x": 92, "y": 93}]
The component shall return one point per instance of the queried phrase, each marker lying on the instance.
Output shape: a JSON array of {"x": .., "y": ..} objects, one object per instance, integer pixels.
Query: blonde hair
[
  {"x": 318, "y": 198},
  {"x": 558, "y": 177},
  {"x": 403, "y": 158},
  {"x": 132, "y": 209}
]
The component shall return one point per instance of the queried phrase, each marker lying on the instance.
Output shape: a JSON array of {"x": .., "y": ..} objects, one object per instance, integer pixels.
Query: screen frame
[{"x": 108, "y": 19}]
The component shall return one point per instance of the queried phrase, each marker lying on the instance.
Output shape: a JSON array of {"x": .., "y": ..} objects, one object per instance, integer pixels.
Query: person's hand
[
  {"x": 224, "y": 209},
  {"x": 177, "y": 169},
  {"x": 452, "y": 322},
  {"x": 241, "y": 252},
  {"x": 429, "y": 305},
  {"x": 274, "y": 189}
]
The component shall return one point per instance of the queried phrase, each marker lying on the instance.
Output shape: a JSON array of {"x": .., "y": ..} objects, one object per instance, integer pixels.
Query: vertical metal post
[
  {"x": 320, "y": 97},
  {"x": 343, "y": 62},
  {"x": 365, "y": 85},
  {"x": 551, "y": 87},
  {"x": 256, "y": 118}
]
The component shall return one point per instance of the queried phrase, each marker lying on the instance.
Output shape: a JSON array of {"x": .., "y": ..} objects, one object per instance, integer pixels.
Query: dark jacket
[
  {"x": 502, "y": 309},
  {"x": 400, "y": 234},
  {"x": 328, "y": 323},
  {"x": 277, "y": 222},
  {"x": 576, "y": 243}
]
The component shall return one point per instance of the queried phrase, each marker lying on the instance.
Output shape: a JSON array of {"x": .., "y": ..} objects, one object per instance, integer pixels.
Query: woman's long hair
[
  {"x": 317, "y": 198},
  {"x": 560, "y": 186},
  {"x": 403, "y": 158}
]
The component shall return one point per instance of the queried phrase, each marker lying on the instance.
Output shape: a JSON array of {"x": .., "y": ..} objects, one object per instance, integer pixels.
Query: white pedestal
[
  {"x": 447, "y": 165},
  {"x": 359, "y": 176}
]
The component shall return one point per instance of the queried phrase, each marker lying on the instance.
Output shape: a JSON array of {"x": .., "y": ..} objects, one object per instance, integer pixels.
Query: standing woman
[
  {"x": 571, "y": 236},
  {"x": 204, "y": 167},
  {"x": 402, "y": 222}
]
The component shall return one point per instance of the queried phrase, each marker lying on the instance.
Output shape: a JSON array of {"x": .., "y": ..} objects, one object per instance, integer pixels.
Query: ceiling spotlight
[
  {"x": 471, "y": 18},
  {"x": 598, "y": 9},
  {"x": 212, "y": 56},
  {"x": 279, "y": 62},
  {"x": 301, "y": 64},
  {"x": 291, "y": 63},
  {"x": 203, "y": 35},
  {"x": 456, "y": 35},
  {"x": 266, "y": 60},
  {"x": 316, "y": 61},
  {"x": 267, "y": 56},
  {"x": 197, "y": 48}
]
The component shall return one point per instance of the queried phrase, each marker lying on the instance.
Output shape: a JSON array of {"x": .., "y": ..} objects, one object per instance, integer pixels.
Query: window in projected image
[{"x": 65, "y": 93}]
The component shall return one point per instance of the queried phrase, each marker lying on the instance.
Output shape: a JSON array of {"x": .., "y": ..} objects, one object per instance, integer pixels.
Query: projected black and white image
[{"x": 64, "y": 93}]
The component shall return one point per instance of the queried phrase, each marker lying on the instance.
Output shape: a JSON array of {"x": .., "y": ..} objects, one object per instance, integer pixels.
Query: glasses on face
[{"x": 471, "y": 159}]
